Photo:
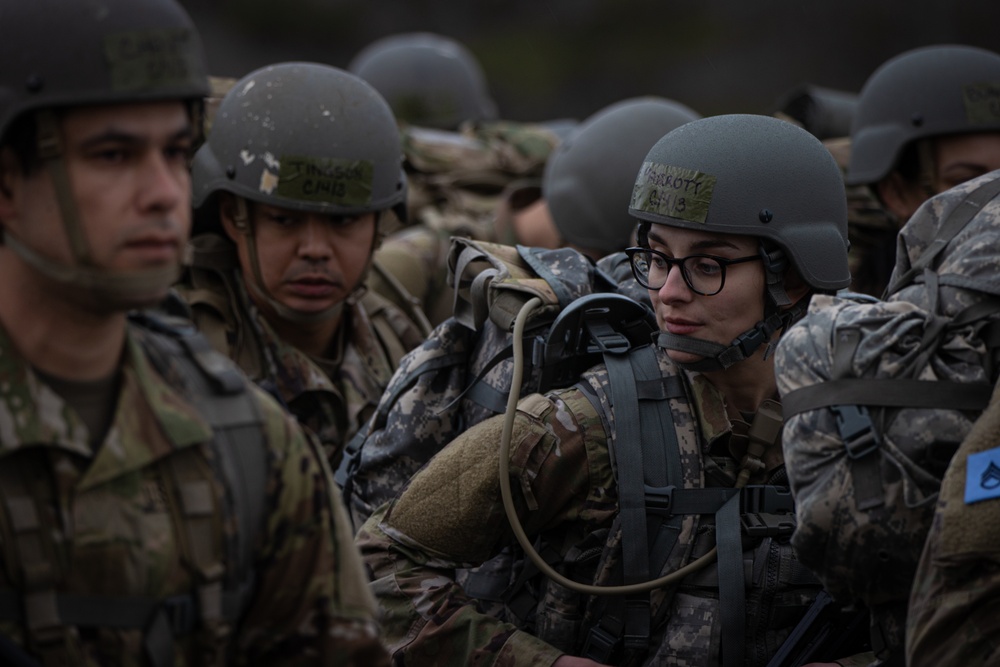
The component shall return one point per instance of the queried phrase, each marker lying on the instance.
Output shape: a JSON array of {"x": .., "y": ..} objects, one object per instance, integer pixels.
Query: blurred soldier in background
[
  {"x": 470, "y": 174},
  {"x": 926, "y": 120},
  {"x": 302, "y": 163},
  {"x": 828, "y": 114},
  {"x": 157, "y": 508}
]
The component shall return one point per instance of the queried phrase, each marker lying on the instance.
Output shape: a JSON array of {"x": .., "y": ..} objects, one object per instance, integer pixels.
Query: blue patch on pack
[{"x": 982, "y": 476}]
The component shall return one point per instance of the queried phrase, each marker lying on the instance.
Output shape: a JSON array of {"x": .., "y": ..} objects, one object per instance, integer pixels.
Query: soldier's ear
[
  {"x": 228, "y": 216},
  {"x": 901, "y": 197}
]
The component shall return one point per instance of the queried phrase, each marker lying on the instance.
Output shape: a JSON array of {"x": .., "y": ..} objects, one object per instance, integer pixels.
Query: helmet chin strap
[
  {"x": 112, "y": 291},
  {"x": 718, "y": 357}
]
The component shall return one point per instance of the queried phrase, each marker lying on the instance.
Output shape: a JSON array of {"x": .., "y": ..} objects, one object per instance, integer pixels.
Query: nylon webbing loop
[
  {"x": 888, "y": 393},
  {"x": 732, "y": 595}
]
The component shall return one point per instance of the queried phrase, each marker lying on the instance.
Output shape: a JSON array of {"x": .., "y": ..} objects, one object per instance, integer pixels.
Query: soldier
[
  {"x": 751, "y": 212},
  {"x": 429, "y": 80},
  {"x": 134, "y": 532},
  {"x": 926, "y": 120},
  {"x": 470, "y": 174},
  {"x": 952, "y": 614},
  {"x": 302, "y": 163}
]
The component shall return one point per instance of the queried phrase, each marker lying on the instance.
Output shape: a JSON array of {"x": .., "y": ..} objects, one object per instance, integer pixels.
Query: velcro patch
[
  {"x": 342, "y": 182},
  {"x": 150, "y": 59},
  {"x": 675, "y": 192},
  {"x": 982, "y": 476},
  {"x": 982, "y": 103}
]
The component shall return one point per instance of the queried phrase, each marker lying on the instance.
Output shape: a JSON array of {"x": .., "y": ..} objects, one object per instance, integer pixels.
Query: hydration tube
[{"x": 511, "y": 511}]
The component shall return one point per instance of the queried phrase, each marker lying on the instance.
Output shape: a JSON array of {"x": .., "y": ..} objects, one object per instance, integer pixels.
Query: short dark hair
[{"x": 21, "y": 138}]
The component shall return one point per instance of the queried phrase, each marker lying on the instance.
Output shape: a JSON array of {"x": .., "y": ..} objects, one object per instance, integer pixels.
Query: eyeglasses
[{"x": 704, "y": 274}]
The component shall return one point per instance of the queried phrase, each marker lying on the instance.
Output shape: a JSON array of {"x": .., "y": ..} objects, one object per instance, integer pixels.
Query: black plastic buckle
[
  {"x": 750, "y": 341},
  {"x": 660, "y": 499},
  {"x": 856, "y": 430},
  {"x": 768, "y": 525},
  {"x": 600, "y": 645},
  {"x": 769, "y": 499}
]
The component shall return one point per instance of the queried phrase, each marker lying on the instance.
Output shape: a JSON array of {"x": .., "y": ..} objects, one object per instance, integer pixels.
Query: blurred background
[{"x": 548, "y": 59}]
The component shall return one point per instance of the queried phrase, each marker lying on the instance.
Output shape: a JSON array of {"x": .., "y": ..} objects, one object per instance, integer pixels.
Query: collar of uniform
[
  {"x": 710, "y": 408},
  {"x": 151, "y": 421},
  {"x": 296, "y": 373}
]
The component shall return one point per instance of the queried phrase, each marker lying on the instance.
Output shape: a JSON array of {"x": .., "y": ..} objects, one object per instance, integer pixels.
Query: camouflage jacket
[
  {"x": 952, "y": 614},
  {"x": 468, "y": 183},
  {"x": 333, "y": 397},
  {"x": 451, "y": 516},
  {"x": 111, "y": 519}
]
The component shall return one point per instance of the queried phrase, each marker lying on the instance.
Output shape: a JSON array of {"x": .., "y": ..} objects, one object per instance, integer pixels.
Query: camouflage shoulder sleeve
[
  {"x": 952, "y": 617},
  {"x": 451, "y": 515},
  {"x": 311, "y": 600}
]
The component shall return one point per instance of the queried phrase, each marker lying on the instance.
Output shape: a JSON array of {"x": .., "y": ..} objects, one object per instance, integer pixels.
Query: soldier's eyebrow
[
  {"x": 123, "y": 137},
  {"x": 701, "y": 245}
]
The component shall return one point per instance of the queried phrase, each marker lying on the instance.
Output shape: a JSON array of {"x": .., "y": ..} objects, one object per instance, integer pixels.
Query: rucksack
[
  {"x": 878, "y": 396},
  {"x": 461, "y": 375},
  {"x": 223, "y": 564}
]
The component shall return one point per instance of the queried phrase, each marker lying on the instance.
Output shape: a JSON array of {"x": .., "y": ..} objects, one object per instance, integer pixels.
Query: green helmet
[
  {"x": 58, "y": 55},
  {"x": 303, "y": 136},
  {"x": 925, "y": 92},
  {"x": 753, "y": 176},
  {"x": 429, "y": 80},
  {"x": 61, "y": 54},
  {"x": 589, "y": 177}
]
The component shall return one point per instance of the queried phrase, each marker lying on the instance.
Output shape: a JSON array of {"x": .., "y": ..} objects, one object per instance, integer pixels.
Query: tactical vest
[{"x": 220, "y": 563}]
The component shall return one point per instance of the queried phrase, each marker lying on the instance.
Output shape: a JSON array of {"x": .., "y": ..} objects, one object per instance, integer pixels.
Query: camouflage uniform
[
  {"x": 333, "y": 396},
  {"x": 120, "y": 541},
  {"x": 952, "y": 614},
  {"x": 564, "y": 487},
  {"x": 466, "y": 183},
  {"x": 871, "y": 553}
]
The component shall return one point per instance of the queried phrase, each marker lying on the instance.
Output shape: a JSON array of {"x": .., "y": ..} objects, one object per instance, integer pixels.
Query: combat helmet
[
  {"x": 589, "y": 177},
  {"x": 302, "y": 136},
  {"x": 754, "y": 176},
  {"x": 109, "y": 51},
  {"x": 926, "y": 92},
  {"x": 429, "y": 80}
]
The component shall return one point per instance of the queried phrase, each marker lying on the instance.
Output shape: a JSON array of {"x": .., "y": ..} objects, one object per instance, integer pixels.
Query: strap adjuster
[
  {"x": 600, "y": 644},
  {"x": 856, "y": 430}
]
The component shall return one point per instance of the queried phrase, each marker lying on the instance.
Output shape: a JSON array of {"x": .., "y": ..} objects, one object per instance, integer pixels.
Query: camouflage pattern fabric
[
  {"x": 334, "y": 397},
  {"x": 467, "y": 183},
  {"x": 871, "y": 555},
  {"x": 451, "y": 516},
  {"x": 419, "y": 416},
  {"x": 952, "y": 613},
  {"x": 308, "y": 607}
]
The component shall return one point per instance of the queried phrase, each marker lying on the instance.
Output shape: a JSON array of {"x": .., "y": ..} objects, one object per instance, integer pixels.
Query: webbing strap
[
  {"x": 631, "y": 496},
  {"x": 960, "y": 216},
  {"x": 732, "y": 594},
  {"x": 889, "y": 393}
]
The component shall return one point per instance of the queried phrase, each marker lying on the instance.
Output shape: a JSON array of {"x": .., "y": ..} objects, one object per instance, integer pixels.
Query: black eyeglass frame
[{"x": 723, "y": 262}]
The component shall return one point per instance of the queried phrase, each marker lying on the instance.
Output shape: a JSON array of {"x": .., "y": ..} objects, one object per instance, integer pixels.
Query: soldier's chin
[{"x": 683, "y": 357}]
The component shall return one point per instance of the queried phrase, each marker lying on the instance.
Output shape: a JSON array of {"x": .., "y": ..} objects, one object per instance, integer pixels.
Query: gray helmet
[
  {"x": 925, "y": 92},
  {"x": 756, "y": 176},
  {"x": 589, "y": 177},
  {"x": 429, "y": 80},
  {"x": 303, "y": 136},
  {"x": 59, "y": 54}
]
